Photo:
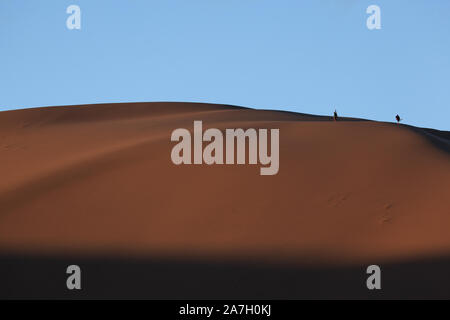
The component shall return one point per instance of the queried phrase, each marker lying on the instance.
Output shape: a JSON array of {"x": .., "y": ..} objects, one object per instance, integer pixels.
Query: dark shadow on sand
[
  {"x": 41, "y": 277},
  {"x": 440, "y": 139}
]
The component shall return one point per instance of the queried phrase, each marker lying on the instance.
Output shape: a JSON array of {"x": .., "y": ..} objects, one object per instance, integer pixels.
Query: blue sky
[{"x": 308, "y": 56}]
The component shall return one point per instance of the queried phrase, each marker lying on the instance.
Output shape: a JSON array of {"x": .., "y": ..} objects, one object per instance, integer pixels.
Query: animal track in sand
[
  {"x": 386, "y": 216},
  {"x": 337, "y": 199},
  {"x": 13, "y": 147}
]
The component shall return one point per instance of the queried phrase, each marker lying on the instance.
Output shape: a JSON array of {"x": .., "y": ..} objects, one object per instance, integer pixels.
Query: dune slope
[{"x": 99, "y": 179}]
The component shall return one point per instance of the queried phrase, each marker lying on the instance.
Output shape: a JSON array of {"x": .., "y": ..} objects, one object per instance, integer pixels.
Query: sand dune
[{"x": 99, "y": 180}]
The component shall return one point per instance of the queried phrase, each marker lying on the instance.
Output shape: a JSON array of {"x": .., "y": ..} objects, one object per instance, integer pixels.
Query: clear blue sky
[{"x": 308, "y": 56}]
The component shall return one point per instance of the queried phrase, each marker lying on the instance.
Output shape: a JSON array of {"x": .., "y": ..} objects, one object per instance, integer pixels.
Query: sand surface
[
  {"x": 98, "y": 179},
  {"x": 101, "y": 178}
]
